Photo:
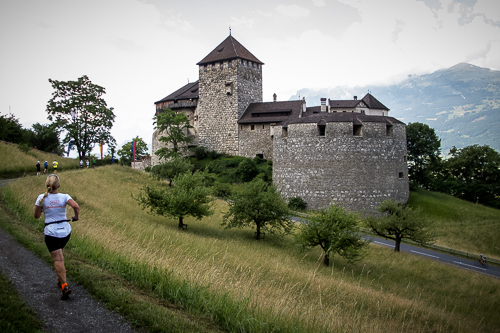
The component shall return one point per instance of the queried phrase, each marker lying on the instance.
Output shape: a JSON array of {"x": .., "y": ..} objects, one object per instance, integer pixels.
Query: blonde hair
[{"x": 52, "y": 183}]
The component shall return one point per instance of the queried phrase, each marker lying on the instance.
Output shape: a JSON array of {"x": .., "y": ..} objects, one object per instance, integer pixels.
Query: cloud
[
  {"x": 292, "y": 10},
  {"x": 319, "y": 3},
  {"x": 400, "y": 25},
  {"x": 242, "y": 22}
]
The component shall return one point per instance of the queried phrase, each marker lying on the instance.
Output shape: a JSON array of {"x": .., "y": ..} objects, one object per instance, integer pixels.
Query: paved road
[
  {"x": 434, "y": 255},
  {"x": 439, "y": 256}
]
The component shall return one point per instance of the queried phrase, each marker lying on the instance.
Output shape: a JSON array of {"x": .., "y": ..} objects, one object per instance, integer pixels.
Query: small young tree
[
  {"x": 400, "y": 222},
  {"x": 175, "y": 126},
  {"x": 188, "y": 197},
  {"x": 259, "y": 205},
  {"x": 335, "y": 231},
  {"x": 171, "y": 168}
]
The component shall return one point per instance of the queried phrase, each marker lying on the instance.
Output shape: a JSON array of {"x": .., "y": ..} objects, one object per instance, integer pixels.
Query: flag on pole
[
  {"x": 69, "y": 147},
  {"x": 101, "y": 145},
  {"x": 133, "y": 152}
]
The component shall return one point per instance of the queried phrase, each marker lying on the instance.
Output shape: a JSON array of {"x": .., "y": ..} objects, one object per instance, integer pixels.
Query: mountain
[{"x": 461, "y": 103}]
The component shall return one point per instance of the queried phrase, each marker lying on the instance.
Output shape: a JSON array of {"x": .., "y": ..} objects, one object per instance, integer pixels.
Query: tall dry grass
[
  {"x": 14, "y": 162},
  {"x": 386, "y": 292}
]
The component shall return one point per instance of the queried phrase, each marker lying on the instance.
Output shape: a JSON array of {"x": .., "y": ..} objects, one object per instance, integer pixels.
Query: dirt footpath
[{"x": 36, "y": 283}]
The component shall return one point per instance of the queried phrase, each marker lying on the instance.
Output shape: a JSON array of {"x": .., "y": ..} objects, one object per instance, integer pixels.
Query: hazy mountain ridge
[{"x": 461, "y": 103}]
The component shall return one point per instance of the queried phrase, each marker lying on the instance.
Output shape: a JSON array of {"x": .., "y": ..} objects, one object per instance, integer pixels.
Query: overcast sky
[{"x": 141, "y": 51}]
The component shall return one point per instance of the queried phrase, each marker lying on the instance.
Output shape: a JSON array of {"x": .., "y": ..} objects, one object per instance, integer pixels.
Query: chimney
[
  {"x": 274, "y": 97},
  {"x": 303, "y": 106},
  {"x": 323, "y": 105},
  {"x": 355, "y": 98}
]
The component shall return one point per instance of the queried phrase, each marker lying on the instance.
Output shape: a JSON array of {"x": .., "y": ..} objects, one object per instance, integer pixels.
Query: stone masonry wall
[
  {"x": 225, "y": 91},
  {"x": 256, "y": 141},
  {"x": 356, "y": 172}
]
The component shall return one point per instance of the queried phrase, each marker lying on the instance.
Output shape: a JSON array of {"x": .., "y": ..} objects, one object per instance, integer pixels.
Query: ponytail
[{"x": 52, "y": 183}]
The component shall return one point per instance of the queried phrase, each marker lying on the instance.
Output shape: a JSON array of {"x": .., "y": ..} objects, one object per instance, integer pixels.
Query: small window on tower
[
  {"x": 388, "y": 130},
  {"x": 252, "y": 127},
  {"x": 321, "y": 130},
  {"x": 357, "y": 130}
]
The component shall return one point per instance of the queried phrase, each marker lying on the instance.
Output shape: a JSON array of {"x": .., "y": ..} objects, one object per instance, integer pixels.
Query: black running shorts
[{"x": 54, "y": 243}]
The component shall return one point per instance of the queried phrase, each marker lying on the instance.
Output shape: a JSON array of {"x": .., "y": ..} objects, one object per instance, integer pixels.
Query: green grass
[
  {"x": 460, "y": 224},
  {"x": 15, "y": 315},
  {"x": 16, "y": 163},
  {"x": 223, "y": 279}
]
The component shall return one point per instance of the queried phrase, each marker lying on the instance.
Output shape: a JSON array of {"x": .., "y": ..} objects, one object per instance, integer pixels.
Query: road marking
[
  {"x": 461, "y": 263},
  {"x": 424, "y": 254},
  {"x": 382, "y": 243}
]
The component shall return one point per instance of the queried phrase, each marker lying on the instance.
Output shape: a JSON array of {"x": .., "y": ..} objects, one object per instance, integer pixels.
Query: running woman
[{"x": 57, "y": 230}]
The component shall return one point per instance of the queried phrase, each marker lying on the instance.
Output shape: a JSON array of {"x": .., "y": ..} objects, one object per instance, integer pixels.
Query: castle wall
[
  {"x": 256, "y": 141},
  {"x": 225, "y": 91},
  {"x": 357, "y": 172}
]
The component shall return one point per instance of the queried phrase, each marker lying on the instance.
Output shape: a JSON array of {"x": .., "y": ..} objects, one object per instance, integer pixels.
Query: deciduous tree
[
  {"x": 46, "y": 138},
  {"x": 78, "y": 108},
  {"x": 259, "y": 205},
  {"x": 188, "y": 197},
  {"x": 335, "y": 231},
  {"x": 173, "y": 128},
  {"x": 126, "y": 154},
  {"x": 171, "y": 168},
  {"x": 424, "y": 147},
  {"x": 400, "y": 222},
  {"x": 473, "y": 174}
]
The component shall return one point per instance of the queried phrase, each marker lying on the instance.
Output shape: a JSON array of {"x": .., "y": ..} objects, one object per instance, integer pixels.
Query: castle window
[
  {"x": 321, "y": 130},
  {"x": 241, "y": 127},
  {"x": 405, "y": 158},
  {"x": 401, "y": 175},
  {"x": 263, "y": 127},
  {"x": 252, "y": 127},
  {"x": 284, "y": 132},
  {"x": 388, "y": 130},
  {"x": 260, "y": 155},
  {"x": 357, "y": 130}
]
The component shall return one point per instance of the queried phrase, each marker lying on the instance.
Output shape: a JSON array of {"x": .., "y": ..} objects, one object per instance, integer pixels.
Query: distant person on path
[
  {"x": 57, "y": 230},
  {"x": 81, "y": 164},
  {"x": 45, "y": 166},
  {"x": 87, "y": 163},
  {"x": 54, "y": 165},
  {"x": 37, "y": 168}
]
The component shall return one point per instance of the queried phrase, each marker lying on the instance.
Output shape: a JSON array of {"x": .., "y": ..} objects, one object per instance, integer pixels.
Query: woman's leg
[{"x": 57, "y": 257}]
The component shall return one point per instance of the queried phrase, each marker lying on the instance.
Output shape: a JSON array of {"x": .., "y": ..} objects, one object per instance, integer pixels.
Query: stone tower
[{"x": 230, "y": 78}]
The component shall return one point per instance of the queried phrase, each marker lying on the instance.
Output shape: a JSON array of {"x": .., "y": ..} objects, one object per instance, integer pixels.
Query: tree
[
  {"x": 46, "y": 138},
  {"x": 78, "y": 108},
  {"x": 188, "y": 197},
  {"x": 473, "y": 174},
  {"x": 247, "y": 170},
  {"x": 400, "y": 222},
  {"x": 175, "y": 126},
  {"x": 126, "y": 154},
  {"x": 423, "y": 147},
  {"x": 11, "y": 129},
  {"x": 171, "y": 169},
  {"x": 335, "y": 231},
  {"x": 261, "y": 205}
]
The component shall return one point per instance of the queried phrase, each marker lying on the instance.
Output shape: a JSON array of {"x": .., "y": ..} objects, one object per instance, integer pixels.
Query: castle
[{"x": 348, "y": 152}]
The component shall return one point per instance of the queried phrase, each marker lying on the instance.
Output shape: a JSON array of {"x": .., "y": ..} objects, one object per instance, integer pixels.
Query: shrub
[
  {"x": 247, "y": 170},
  {"x": 297, "y": 203},
  {"x": 221, "y": 190}
]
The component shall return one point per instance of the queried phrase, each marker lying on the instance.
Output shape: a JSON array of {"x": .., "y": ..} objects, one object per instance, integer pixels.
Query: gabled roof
[
  {"x": 229, "y": 49},
  {"x": 373, "y": 103},
  {"x": 189, "y": 91},
  {"x": 350, "y": 103},
  {"x": 271, "y": 112}
]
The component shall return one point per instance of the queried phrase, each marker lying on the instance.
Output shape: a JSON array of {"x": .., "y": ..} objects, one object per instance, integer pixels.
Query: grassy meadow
[
  {"x": 460, "y": 224},
  {"x": 243, "y": 285},
  {"x": 16, "y": 163}
]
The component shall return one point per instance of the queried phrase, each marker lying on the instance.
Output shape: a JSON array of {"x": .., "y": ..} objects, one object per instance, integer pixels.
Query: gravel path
[{"x": 35, "y": 281}]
